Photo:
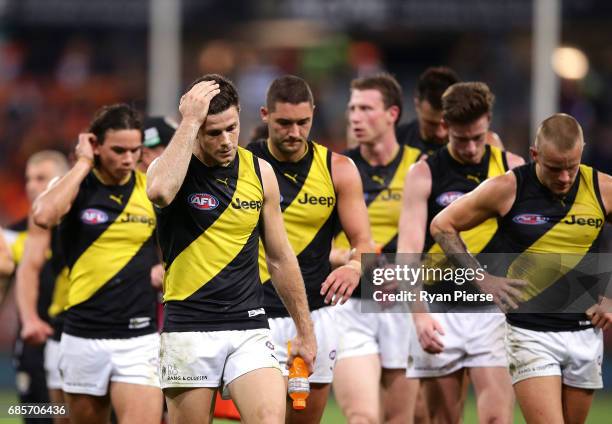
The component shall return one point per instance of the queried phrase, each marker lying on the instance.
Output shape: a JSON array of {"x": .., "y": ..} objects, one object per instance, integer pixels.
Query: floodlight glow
[{"x": 570, "y": 63}]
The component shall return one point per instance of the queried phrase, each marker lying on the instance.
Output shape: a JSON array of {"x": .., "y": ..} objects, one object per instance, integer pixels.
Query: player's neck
[
  {"x": 381, "y": 153},
  {"x": 287, "y": 157},
  {"x": 107, "y": 179}
]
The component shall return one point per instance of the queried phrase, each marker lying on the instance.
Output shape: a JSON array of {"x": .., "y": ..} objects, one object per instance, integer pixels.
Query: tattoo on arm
[{"x": 456, "y": 251}]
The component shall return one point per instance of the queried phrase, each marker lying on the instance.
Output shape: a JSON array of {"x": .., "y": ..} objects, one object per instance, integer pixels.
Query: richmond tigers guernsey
[
  {"x": 450, "y": 180},
  {"x": 545, "y": 241},
  {"x": 409, "y": 134},
  {"x": 107, "y": 240},
  {"x": 209, "y": 237},
  {"x": 382, "y": 190},
  {"x": 308, "y": 203}
]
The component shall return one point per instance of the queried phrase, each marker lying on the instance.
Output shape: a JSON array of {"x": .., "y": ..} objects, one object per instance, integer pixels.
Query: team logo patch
[
  {"x": 449, "y": 197},
  {"x": 203, "y": 201},
  {"x": 530, "y": 219},
  {"x": 94, "y": 216}
]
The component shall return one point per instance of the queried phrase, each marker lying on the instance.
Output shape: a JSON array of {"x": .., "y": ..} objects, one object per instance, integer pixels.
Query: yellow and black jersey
[
  {"x": 15, "y": 235},
  {"x": 209, "y": 236},
  {"x": 451, "y": 180},
  {"x": 308, "y": 203},
  {"x": 49, "y": 292},
  {"x": 545, "y": 240},
  {"x": 109, "y": 249},
  {"x": 382, "y": 190},
  {"x": 55, "y": 285}
]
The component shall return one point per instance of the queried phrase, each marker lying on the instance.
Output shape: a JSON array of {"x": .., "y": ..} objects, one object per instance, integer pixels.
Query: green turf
[{"x": 601, "y": 412}]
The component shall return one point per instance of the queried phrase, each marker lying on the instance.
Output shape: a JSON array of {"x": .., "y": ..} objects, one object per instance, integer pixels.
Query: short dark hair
[
  {"x": 388, "y": 86},
  {"x": 288, "y": 89},
  {"x": 464, "y": 102},
  {"x": 433, "y": 82},
  {"x": 227, "y": 97},
  {"x": 119, "y": 116},
  {"x": 560, "y": 129}
]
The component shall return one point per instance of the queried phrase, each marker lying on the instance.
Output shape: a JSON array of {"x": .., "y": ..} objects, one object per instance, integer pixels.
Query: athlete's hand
[
  {"x": 600, "y": 314},
  {"x": 428, "y": 329},
  {"x": 84, "y": 148},
  {"x": 306, "y": 348},
  {"x": 507, "y": 292},
  {"x": 341, "y": 282},
  {"x": 35, "y": 331},
  {"x": 194, "y": 104},
  {"x": 157, "y": 276}
]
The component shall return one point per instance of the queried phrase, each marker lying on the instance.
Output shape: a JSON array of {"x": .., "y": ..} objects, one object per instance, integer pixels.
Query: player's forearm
[
  {"x": 455, "y": 249},
  {"x": 51, "y": 205},
  {"x": 289, "y": 285},
  {"x": 167, "y": 173},
  {"x": 26, "y": 291}
]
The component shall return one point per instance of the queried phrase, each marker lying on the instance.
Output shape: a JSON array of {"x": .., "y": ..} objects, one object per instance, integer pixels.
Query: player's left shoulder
[{"x": 514, "y": 160}]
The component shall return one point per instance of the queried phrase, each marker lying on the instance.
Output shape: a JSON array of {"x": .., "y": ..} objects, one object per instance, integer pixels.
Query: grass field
[{"x": 601, "y": 413}]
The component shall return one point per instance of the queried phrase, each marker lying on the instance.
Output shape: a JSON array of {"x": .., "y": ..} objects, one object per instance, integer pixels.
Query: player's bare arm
[
  {"x": 166, "y": 174},
  {"x": 601, "y": 313},
  {"x": 34, "y": 330},
  {"x": 492, "y": 198},
  {"x": 341, "y": 282},
  {"x": 284, "y": 269},
  {"x": 7, "y": 265},
  {"x": 411, "y": 240},
  {"x": 51, "y": 206}
]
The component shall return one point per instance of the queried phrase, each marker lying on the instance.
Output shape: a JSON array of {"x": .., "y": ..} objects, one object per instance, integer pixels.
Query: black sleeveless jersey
[
  {"x": 209, "y": 237},
  {"x": 545, "y": 240},
  {"x": 109, "y": 249},
  {"x": 308, "y": 203}
]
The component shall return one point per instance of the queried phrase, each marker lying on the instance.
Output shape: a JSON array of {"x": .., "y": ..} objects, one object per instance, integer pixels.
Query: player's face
[
  {"x": 430, "y": 122},
  {"x": 556, "y": 169},
  {"x": 467, "y": 141},
  {"x": 119, "y": 152},
  {"x": 368, "y": 118},
  {"x": 218, "y": 137},
  {"x": 288, "y": 126},
  {"x": 38, "y": 175},
  {"x": 149, "y": 154}
]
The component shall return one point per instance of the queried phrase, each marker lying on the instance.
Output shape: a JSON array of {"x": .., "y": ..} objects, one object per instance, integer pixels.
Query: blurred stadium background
[{"x": 62, "y": 59}]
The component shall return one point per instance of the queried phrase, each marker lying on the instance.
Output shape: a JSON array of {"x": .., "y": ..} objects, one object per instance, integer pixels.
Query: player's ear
[
  {"x": 264, "y": 114},
  {"x": 533, "y": 153}
]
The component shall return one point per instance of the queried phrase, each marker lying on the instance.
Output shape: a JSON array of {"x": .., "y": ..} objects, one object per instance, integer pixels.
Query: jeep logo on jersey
[
  {"x": 591, "y": 222},
  {"x": 94, "y": 216},
  {"x": 203, "y": 201},
  {"x": 309, "y": 199},
  {"x": 449, "y": 197},
  {"x": 246, "y": 204},
  {"x": 530, "y": 219}
]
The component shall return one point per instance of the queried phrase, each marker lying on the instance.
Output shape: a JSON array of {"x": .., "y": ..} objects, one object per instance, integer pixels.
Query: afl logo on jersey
[
  {"x": 530, "y": 219},
  {"x": 449, "y": 197},
  {"x": 203, "y": 201},
  {"x": 94, "y": 216}
]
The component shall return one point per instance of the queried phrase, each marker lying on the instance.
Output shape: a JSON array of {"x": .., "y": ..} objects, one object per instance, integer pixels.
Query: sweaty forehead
[
  {"x": 472, "y": 129},
  {"x": 221, "y": 120},
  {"x": 292, "y": 111},
  {"x": 555, "y": 156}
]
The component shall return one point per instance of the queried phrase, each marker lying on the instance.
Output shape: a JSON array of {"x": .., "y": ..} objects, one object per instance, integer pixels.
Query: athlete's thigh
[
  {"x": 247, "y": 390},
  {"x": 189, "y": 405},
  {"x": 576, "y": 404},
  {"x": 136, "y": 403},
  {"x": 399, "y": 395},
  {"x": 88, "y": 409},
  {"x": 357, "y": 386},
  {"x": 540, "y": 399}
]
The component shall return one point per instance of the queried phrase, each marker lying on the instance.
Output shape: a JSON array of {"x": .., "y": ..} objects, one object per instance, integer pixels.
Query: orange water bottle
[{"x": 298, "y": 386}]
